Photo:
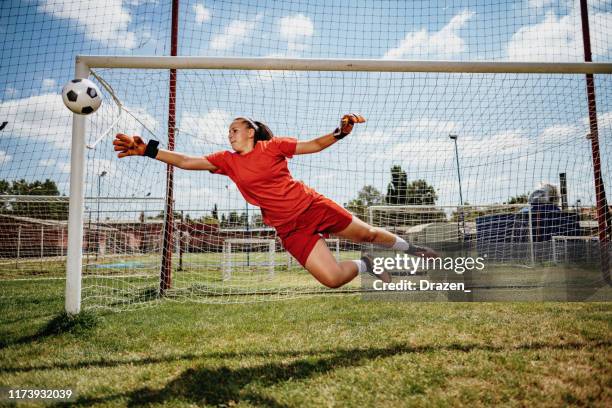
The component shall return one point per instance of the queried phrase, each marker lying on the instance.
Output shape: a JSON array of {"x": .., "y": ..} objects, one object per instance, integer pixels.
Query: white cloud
[
  {"x": 47, "y": 162},
  {"x": 202, "y": 14},
  {"x": 425, "y": 143},
  {"x": 296, "y": 30},
  {"x": 5, "y": 157},
  {"x": 559, "y": 38},
  {"x": 212, "y": 127},
  {"x": 366, "y": 137},
  {"x": 419, "y": 132},
  {"x": 430, "y": 126},
  {"x": 421, "y": 43},
  {"x": 113, "y": 167},
  {"x": 39, "y": 118},
  {"x": 560, "y": 133},
  {"x": 109, "y": 25},
  {"x": 10, "y": 92},
  {"x": 63, "y": 167},
  {"x": 604, "y": 120},
  {"x": 601, "y": 44},
  {"x": 130, "y": 125},
  {"x": 549, "y": 40},
  {"x": 539, "y": 3},
  {"x": 141, "y": 2},
  {"x": 237, "y": 32},
  {"x": 49, "y": 84},
  {"x": 44, "y": 118},
  {"x": 511, "y": 141},
  {"x": 412, "y": 140}
]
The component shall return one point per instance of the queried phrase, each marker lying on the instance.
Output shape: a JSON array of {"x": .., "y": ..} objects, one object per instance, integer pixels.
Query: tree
[
  {"x": 419, "y": 192},
  {"x": 519, "y": 199},
  {"x": 397, "y": 190},
  {"x": 257, "y": 221},
  {"x": 233, "y": 219},
  {"x": 468, "y": 213},
  {"x": 215, "y": 212},
  {"x": 367, "y": 197},
  {"x": 23, "y": 187},
  {"x": 370, "y": 196},
  {"x": 162, "y": 215},
  {"x": 208, "y": 220},
  {"x": 5, "y": 187},
  {"x": 44, "y": 209}
]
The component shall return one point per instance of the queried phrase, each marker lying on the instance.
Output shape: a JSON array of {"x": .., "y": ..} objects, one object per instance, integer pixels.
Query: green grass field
[{"x": 319, "y": 351}]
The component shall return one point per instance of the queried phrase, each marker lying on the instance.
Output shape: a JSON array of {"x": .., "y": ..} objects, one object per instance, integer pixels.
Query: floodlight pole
[
  {"x": 98, "y": 213},
  {"x": 104, "y": 173},
  {"x": 228, "y": 204},
  {"x": 461, "y": 215},
  {"x": 246, "y": 204},
  {"x": 74, "y": 259}
]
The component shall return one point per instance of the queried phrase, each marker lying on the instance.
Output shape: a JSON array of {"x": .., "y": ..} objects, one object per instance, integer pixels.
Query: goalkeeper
[{"x": 258, "y": 166}]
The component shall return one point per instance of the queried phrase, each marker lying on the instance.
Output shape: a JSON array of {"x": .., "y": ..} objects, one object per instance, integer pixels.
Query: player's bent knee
[
  {"x": 330, "y": 277},
  {"x": 333, "y": 283}
]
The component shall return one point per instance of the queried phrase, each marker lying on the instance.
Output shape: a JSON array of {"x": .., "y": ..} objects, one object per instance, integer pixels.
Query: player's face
[{"x": 240, "y": 136}]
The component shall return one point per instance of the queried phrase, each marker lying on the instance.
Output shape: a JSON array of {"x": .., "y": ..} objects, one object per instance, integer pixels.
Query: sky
[{"x": 515, "y": 131}]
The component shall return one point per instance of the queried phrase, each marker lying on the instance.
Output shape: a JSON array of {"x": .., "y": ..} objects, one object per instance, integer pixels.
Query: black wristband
[
  {"x": 152, "y": 150},
  {"x": 338, "y": 134}
]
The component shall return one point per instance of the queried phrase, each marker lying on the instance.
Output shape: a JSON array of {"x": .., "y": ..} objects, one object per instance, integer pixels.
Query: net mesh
[{"x": 516, "y": 133}]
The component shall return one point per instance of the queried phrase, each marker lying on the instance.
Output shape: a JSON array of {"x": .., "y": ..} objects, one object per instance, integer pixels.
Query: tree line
[
  {"x": 49, "y": 210},
  {"x": 400, "y": 192}
]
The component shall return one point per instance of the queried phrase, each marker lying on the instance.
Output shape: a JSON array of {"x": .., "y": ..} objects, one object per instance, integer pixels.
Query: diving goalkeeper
[{"x": 257, "y": 165}]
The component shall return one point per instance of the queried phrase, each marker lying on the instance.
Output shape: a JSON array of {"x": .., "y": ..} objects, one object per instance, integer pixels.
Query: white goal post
[{"x": 84, "y": 65}]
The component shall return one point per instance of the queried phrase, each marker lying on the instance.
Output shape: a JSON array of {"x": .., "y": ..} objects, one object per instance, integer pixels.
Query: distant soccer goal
[
  {"x": 249, "y": 256},
  {"x": 575, "y": 249}
]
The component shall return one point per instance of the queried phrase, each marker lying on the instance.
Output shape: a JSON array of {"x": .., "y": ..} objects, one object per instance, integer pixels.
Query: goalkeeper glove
[{"x": 346, "y": 125}]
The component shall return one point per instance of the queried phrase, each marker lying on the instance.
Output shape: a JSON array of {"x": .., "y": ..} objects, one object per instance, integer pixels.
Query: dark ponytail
[{"x": 262, "y": 131}]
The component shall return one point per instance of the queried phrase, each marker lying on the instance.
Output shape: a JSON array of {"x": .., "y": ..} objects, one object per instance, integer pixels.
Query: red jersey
[{"x": 263, "y": 178}]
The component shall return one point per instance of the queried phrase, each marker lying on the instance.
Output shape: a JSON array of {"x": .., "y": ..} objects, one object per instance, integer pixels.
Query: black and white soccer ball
[{"x": 81, "y": 96}]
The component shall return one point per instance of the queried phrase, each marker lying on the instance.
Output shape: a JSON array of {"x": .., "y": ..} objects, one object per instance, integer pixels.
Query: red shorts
[{"x": 300, "y": 235}]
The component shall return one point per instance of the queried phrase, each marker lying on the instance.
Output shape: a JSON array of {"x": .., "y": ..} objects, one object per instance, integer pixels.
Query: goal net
[{"x": 520, "y": 138}]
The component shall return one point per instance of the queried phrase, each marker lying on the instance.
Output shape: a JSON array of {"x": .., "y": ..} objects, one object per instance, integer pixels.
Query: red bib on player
[{"x": 264, "y": 180}]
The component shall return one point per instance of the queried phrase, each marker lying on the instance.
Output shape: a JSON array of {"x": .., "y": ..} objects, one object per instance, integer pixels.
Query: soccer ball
[{"x": 81, "y": 96}]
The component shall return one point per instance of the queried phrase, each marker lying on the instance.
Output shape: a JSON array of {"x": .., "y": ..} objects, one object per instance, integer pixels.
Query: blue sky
[{"x": 515, "y": 131}]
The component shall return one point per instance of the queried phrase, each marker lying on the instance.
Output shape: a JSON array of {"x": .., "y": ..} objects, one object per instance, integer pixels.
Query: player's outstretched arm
[
  {"x": 316, "y": 145},
  {"x": 134, "y": 146}
]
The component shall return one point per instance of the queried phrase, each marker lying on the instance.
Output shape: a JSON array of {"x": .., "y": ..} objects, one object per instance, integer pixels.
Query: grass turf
[{"x": 330, "y": 351}]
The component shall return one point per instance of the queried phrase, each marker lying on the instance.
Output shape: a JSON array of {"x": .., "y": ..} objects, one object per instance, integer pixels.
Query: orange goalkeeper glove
[
  {"x": 129, "y": 145},
  {"x": 346, "y": 125}
]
